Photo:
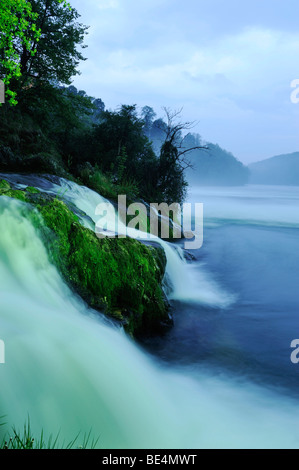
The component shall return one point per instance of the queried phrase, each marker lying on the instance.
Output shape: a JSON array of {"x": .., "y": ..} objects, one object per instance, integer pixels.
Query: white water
[
  {"x": 69, "y": 371},
  {"x": 273, "y": 206},
  {"x": 64, "y": 368},
  {"x": 183, "y": 284}
]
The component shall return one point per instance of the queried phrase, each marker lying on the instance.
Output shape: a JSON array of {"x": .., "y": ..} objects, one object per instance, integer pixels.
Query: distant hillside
[
  {"x": 279, "y": 170},
  {"x": 212, "y": 167},
  {"x": 215, "y": 166}
]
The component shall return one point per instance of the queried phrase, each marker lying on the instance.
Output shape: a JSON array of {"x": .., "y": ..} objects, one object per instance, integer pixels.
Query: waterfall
[
  {"x": 69, "y": 371},
  {"x": 65, "y": 368},
  {"x": 183, "y": 284},
  {"x": 180, "y": 282}
]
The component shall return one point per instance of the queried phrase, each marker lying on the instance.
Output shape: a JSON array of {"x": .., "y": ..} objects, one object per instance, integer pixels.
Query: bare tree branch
[{"x": 174, "y": 136}]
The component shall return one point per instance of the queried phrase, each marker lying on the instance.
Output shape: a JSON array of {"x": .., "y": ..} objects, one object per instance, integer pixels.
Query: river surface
[{"x": 250, "y": 260}]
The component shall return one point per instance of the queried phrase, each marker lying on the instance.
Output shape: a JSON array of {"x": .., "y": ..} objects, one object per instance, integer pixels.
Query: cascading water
[
  {"x": 65, "y": 369},
  {"x": 71, "y": 372},
  {"x": 183, "y": 285}
]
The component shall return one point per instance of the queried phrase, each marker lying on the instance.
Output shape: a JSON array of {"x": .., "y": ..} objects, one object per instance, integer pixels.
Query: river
[{"x": 221, "y": 378}]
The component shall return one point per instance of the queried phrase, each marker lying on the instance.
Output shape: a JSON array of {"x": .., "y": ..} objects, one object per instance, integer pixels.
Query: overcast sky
[{"x": 229, "y": 65}]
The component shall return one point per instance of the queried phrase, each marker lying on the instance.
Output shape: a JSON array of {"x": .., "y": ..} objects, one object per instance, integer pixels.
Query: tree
[
  {"x": 94, "y": 106},
  {"x": 118, "y": 146},
  {"x": 148, "y": 115},
  {"x": 119, "y": 133},
  {"x": 174, "y": 136},
  {"x": 173, "y": 158},
  {"x": 17, "y": 30},
  {"x": 157, "y": 134},
  {"x": 48, "y": 50},
  {"x": 172, "y": 185},
  {"x": 57, "y": 55}
]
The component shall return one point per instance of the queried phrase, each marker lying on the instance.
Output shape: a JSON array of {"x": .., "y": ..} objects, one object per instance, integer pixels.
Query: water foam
[{"x": 69, "y": 371}]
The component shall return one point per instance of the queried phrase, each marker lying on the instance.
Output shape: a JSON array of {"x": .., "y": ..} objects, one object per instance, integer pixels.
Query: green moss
[
  {"x": 14, "y": 193},
  {"x": 121, "y": 277},
  {"x": 6, "y": 190},
  {"x": 4, "y": 185},
  {"x": 32, "y": 190}
]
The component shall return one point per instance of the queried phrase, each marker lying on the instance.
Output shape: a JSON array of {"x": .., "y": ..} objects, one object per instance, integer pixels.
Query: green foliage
[
  {"x": 119, "y": 132},
  {"x": 112, "y": 156},
  {"x": 4, "y": 185},
  {"x": 14, "y": 193},
  {"x": 148, "y": 115},
  {"x": 118, "y": 146},
  {"x": 32, "y": 190},
  {"x": 42, "y": 133},
  {"x": 39, "y": 42},
  {"x": 17, "y": 27},
  {"x": 25, "y": 440},
  {"x": 121, "y": 161},
  {"x": 172, "y": 184},
  {"x": 57, "y": 55},
  {"x": 130, "y": 188},
  {"x": 74, "y": 128},
  {"x": 41, "y": 51},
  {"x": 8, "y": 191},
  {"x": 103, "y": 184},
  {"x": 91, "y": 109},
  {"x": 95, "y": 179},
  {"x": 121, "y": 277}
]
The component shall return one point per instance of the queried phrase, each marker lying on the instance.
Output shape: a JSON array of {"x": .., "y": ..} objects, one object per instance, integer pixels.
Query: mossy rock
[
  {"x": 32, "y": 190},
  {"x": 4, "y": 184},
  {"x": 14, "y": 193},
  {"x": 120, "y": 277}
]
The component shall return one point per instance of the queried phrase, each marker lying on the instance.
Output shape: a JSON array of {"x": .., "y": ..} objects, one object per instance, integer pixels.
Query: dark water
[{"x": 251, "y": 250}]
